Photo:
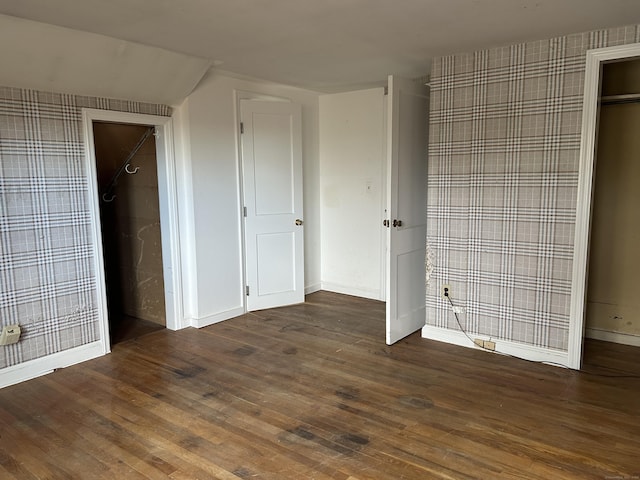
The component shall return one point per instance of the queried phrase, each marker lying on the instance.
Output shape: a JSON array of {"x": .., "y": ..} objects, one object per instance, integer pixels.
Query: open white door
[
  {"x": 272, "y": 181},
  {"x": 408, "y": 111}
]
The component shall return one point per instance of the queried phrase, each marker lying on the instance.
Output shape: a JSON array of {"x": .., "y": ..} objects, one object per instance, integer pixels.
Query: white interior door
[
  {"x": 271, "y": 142},
  {"x": 408, "y": 110}
]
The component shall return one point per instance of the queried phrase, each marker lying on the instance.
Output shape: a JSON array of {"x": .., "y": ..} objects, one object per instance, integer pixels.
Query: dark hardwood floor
[
  {"x": 124, "y": 327},
  {"x": 312, "y": 392}
]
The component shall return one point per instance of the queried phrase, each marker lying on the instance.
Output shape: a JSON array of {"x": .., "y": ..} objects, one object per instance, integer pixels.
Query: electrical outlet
[
  {"x": 445, "y": 291},
  {"x": 486, "y": 344},
  {"x": 10, "y": 334}
]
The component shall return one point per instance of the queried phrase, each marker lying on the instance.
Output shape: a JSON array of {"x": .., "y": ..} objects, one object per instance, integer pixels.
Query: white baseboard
[
  {"x": 356, "y": 292},
  {"x": 615, "y": 337},
  {"x": 316, "y": 287},
  {"x": 42, "y": 366},
  {"x": 520, "y": 350},
  {"x": 236, "y": 312},
  {"x": 217, "y": 317}
]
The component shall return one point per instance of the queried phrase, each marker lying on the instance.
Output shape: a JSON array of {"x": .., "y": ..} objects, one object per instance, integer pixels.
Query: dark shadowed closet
[{"x": 130, "y": 219}]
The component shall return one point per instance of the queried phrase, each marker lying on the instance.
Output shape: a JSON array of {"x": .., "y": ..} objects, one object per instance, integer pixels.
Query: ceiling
[
  {"x": 81, "y": 63},
  {"x": 326, "y": 45}
]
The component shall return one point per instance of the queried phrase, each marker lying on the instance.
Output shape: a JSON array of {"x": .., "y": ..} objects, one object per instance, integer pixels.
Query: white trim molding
[
  {"x": 45, "y": 365},
  {"x": 506, "y": 347},
  {"x": 184, "y": 183},
  {"x": 594, "y": 61},
  {"x": 615, "y": 337},
  {"x": 217, "y": 317},
  {"x": 316, "y": 287},
  {"x": 371, "y": 294},
  {"x": 167, "y": 190}
]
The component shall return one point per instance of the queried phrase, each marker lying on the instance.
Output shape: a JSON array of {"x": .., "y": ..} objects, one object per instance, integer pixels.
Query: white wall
[
  {"x": 352, "y": 134},
  {"x": 207, "y": 141}
]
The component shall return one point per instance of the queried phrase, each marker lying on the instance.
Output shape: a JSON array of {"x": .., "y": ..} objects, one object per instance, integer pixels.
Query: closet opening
[
  {"x": 613, "y": 305},
  {"x": 127, "y": 177}
]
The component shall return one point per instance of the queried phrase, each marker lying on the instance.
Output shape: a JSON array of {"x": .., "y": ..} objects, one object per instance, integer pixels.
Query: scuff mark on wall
[{"x": 429, "y": 261}]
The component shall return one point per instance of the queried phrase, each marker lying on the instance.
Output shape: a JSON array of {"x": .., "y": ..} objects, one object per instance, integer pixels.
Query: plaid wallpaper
[
  {"x": 503, "y": 172},
  {"x": 47, "y": 279}
]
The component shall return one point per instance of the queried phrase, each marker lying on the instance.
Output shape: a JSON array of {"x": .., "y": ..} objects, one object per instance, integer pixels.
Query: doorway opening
[
  {"x": 613, "y": 306},
  {"x": 596, "y": 60},
  {"x": 127, "y": 178}
]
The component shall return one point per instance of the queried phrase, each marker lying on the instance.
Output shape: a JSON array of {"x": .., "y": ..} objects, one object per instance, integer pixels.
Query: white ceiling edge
[
  {"x": 45, "y": 57},
  {"x": 318, "y": 91}
]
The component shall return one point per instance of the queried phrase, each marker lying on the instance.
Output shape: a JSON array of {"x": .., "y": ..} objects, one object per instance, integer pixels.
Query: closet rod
[
  {"x": 619, "y": 99},
  {"x": 125, "y": 165}
]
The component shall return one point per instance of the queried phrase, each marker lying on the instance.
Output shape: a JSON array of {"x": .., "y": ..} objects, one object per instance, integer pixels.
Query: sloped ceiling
[
  {"x": 50, "y": 58},
  {"x": 326, "y": 45}
]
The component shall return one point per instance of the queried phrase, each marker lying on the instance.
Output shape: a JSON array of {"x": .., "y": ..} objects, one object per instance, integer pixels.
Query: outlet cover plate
[{"x": 10, "y": 334}]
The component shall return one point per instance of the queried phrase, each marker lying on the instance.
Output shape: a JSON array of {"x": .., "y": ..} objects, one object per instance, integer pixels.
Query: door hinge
[
  {"x": 241, "y": 127},
  {"x": 247, "y": 290},
  {"x": 244, "y": 211},
  {"x": 386, "y": 90}
]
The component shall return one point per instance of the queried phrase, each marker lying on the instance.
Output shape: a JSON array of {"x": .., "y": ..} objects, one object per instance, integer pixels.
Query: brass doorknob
[{"x": 298, "y": 222}]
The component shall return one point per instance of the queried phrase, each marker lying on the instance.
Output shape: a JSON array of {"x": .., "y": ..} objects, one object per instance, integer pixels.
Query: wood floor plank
[
  {"x": 312, "y": 391},
  {"x": 237, "y": 410},
  {"x": 142, "y": 432},
  {"x": 149, "y": 410}
]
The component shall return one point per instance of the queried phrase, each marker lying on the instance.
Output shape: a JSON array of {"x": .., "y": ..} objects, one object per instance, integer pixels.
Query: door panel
[
  {"x": 273, "y": 164},
  {"x": 408, "y": 107},
  {"x": 276, "y": 263},
  {"x": 272, "y": 183}
]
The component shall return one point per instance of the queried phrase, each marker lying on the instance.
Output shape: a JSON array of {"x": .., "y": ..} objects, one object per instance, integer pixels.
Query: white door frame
[
  {"x": 595, "y": 59},
  {"x": 167, "y": 196}
]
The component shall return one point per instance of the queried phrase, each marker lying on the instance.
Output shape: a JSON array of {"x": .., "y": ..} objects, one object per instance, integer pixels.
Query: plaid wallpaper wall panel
[
  {"x": 502, "y": 183},
  {"x": 47, "y": 279}
]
